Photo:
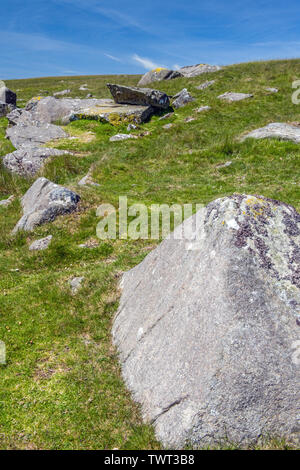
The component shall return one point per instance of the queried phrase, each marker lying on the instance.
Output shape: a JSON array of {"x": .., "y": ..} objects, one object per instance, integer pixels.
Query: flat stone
[
  {"x": 115, "y": 113},
  {"x": 231, "y": 96},
  {"x": 27, "y": 161},
  {"x": 168, "y": 126},
  {"x": 182, "y": 98},
  {"x": 44, "y": 202},
  {"x": 7, "y": 202},
  {"x": 205, "y": 85},
  {"x": 277, "y": 130},
  {"x": 139, "y": 96},
  {"x": 7, "y": 96},
  {"x": 34, "y": 135},
  {"x": 272, "y": 90},
  {"x": 75, "y": 284},
  {"x": 166, "y": 116},
  {"x": 157, "y": 75},
  {"x": 207, "y": 328},
  {"x": 195, "y": 70},
  {"x": 189, "y": 119},
  {"x": 202, "y": 109},
  {"x": 62, "y": 93},
  {"x": 20, "y": 116},
  {"x": 41, "y": 244},
  {"x": 118, "y": 137}
]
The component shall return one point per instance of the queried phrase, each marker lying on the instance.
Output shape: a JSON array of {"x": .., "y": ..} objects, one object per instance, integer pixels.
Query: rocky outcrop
[
  {"x": 182, "y": 98},
  {"x": 276, "y": 130},
  {"x": 157, "y": 75},
  {"x": 139, "y": 96},
  {"x": 208, "y": 324},
  {"x": 34, "y": 135},
  {"x": 44, "y": 202},
  {"x": 195, "y": 70},
  {"x": 27, "y": 161},
  {"x": 232, "y": 97}
]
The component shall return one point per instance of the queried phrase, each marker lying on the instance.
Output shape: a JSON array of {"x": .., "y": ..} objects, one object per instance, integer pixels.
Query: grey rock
[
  {"x": 75, "y": 284},
  {"x": 41, "y": 244},
  {"x": 87, "y": 180},
  {"x": 205, "y": 85},
  {"x": 182, "y": 98},
  {"x": 231, "y": 96},
  {"x": 27, "y": 161},
  {"x": 20, "y": 116},
  {"x": 158, "y": 75},
  {"x": 34, "y": 135},
  {"x": 7, "y": 202},
  {"x": 139, "y": 96},
  {"x": 89, "y": 95},
  {"x": 202, "y": 108},
  {"x": 166, "y": 116},
  {"x": 207, "y": 326},
  {"x": 83, "y": 87},
  {"x": 272, "y": 90},
  {"x": 118, "y": 137},
  {"x": 224, "y": 165},
  {"x": 62, "y": 93},
  {"x": 109, "y": 111},
  {"x": 7, "y": 96},
  {"x": 277, "y": 130},
  {"x": 131, "y": 127},
  {"x": 44, "y": 202},
  {"x": 189, "y": 119},
  {"x": 168, "y": 126},
  {"x": 195, "y": 70}
]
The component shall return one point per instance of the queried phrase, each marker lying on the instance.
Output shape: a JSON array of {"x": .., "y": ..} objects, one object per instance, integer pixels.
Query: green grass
[{"x": 61, "y": 387}]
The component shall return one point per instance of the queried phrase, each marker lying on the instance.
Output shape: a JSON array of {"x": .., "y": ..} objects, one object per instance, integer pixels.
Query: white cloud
[
  {"x": 146, "y": 63},
  {"x": 112, "y": 57}
]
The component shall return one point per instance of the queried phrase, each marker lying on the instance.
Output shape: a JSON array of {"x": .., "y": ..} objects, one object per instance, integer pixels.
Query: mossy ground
[{"x": 61, "y": 387}]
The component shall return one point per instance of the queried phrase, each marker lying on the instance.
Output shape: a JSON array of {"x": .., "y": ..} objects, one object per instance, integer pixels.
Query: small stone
[
  {"x": 272, "y": 90},
  {"x": 75, "y": 284},
  {"x": 41, "y": 244},
  {"x": 61, "y": 93},
  {"x": 131, "y": 127},
  {"x": 189, "y": 119},
  {"x": 202, "y": 108},
  {"x": 205, "y": 85},
  {"x": 7, "y": 202},
  {"x": 224, "y": 165},
  {"x": 168, "y": 126},
  {"x": 166, "y": 116},
  {"x": 118, "y": 137},
  {"x": 232, "y": 97}
]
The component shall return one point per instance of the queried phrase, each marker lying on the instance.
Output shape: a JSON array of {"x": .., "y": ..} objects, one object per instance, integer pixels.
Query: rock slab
[
  {"x": 231, "y": 97},
  {"x": 139, "y": 96},
  {"x": 276, "y": 130},
  {"x": 182, "y": 98},
  {"x": 44, "y": 202},
  {"x": 208, "y": 324},
  {"x": 27, "y": 161}
]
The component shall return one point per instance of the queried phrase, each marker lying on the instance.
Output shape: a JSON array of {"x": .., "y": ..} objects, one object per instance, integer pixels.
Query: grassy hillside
[{"x": 61, "y": 387}]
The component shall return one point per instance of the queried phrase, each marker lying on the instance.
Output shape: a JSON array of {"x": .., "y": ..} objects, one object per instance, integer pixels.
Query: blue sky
[{"x": 83, "y": 37}]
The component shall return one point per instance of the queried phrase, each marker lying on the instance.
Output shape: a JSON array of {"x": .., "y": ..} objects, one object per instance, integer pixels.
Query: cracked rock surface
[{"x": 208, "y": 324}]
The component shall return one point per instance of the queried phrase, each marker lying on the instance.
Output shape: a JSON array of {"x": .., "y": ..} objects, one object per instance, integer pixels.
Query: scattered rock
[
  {"x": 131, "y": 127},
  {"x": 182, "y": 98},
  {"x": 7, "y": 202},
  {"x": 202, "y": 108},
  {"x": 272, "y": 90},
  {"x": 168, "y": 126},
  {"x": 87, "y": 180},
  {"x": 7, "y": 96},
  {"x": 158, "y": 75},
  {"x": 224, "y": 165},
  {"x": 27, "y": 161},
  {"x": 62, "y": 93},
  {"x": 41, "y": 244},
  {"x": 89, "y": 95},
  {"x": 231, "y": 96},
  {"x": 83, "y": 87},
  {"x": 166, "y": 116},
  {"x": 117, "y": 137},
  {"x": 75, "y": 284},
  {"x": 195, "y": 70},
  {"x": 139, "y": 96},
  {"x": 44, "y": 202},
  {"x": 277, "y": 130},
  {"x": 89, "y": 244},
  {"x": 189, "y": 119},
  {"x": 34, "y": 135},
  {"x": 205, "y": 85},
  {"x": 207, "y": 324}
]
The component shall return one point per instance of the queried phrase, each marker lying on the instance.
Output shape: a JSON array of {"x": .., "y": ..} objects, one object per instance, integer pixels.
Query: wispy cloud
[
  {"x": 112, "y": 57},
  {"x": 148, "y": 64}
]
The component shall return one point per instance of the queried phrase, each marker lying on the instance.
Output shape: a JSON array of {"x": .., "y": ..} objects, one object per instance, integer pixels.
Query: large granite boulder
[
  {"x": 194, "y": 70},
  {"x": 157, "y": 75},
  {"x": 139, "y": 96},
  {"x": 114, "y": 113},
  {"x": 44, "y": 202},
  {"x": 208, "y": 324},
  {"x": 34, "y": 135},
  {"x": 7, "y": 96},
  {"x": 277, "y": 130},
  {"x": 27, "y": 161}
]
